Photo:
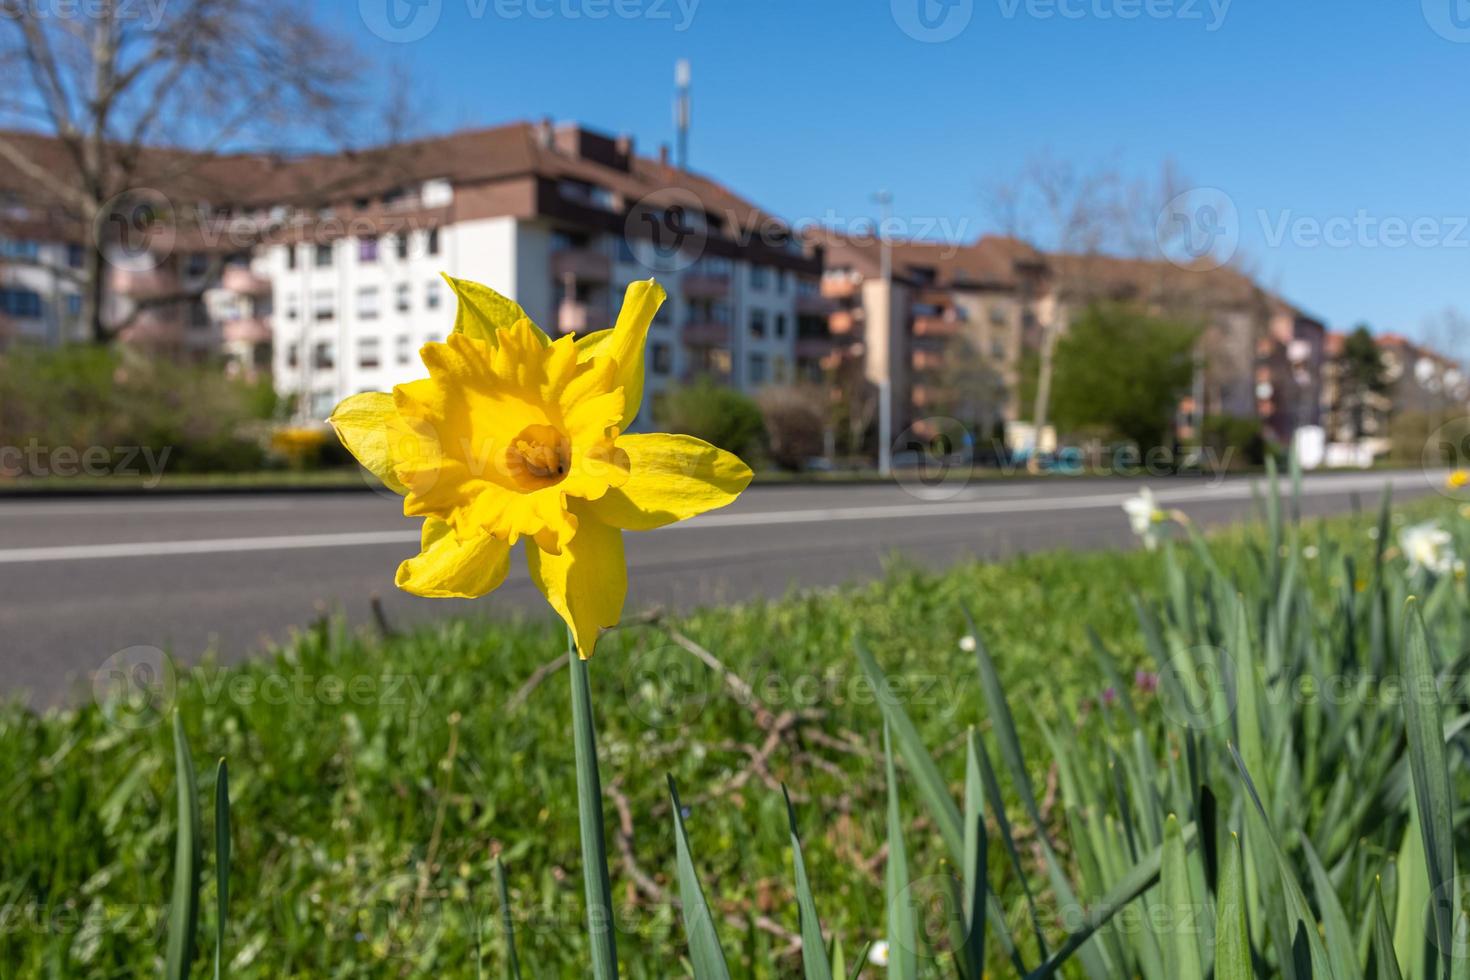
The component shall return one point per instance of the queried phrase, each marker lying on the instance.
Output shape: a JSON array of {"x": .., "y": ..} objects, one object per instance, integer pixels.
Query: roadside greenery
[
  {"x": 80, "y": 412},
  {"x": 1085, "y": 737}
]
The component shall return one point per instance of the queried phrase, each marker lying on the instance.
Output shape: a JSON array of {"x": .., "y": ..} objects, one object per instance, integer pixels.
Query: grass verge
[{"x": 375, "y": 780}]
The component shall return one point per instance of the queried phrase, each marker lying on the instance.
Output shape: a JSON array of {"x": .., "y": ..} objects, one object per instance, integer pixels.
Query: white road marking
[
  {"x": 218, "y": 546},
  {"x": 222, "y": 506},
  {"x": 207, "y": 546}
]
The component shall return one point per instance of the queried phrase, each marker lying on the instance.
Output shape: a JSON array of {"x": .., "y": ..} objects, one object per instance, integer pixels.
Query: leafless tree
[
  {"x": 1081, "y": 217},
  {"x": 143, "y": 95}
]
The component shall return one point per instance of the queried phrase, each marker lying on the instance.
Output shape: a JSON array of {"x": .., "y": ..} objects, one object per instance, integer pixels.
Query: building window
[
  {"x": 293, "y": 355},
  {"x": 290, "y": 256},
  {"x": 196, "y": 265},
  {"x": 367, "y": 352},
  {"x": 324, "y": 356},
  {"x": 759, "y": 277},
  {"x": 74, "y": 256},
  {"x": 780, "y": 326},
  {"x": 433, "y": 241},
  {"x": 431, "y": 294},
  {"x": 625, "y": 251},
  {"x": 323, "y": 257},
  {"x": 322, "y": 402},
  {"x": 585, "y": 193},
  {"x": 757, "y": 323},
  {"x": 757, "y": 369},
  {"x": 20, "y": 302},
  {"x": 780, "y": 370},
  {"x": 403, "y": 349},
  {"x": 400, "y": 245},
  {"x": 73, "y": 304},
  {"x": 403, "y": 298},
  {"x": 781, "y": 281},
  {"x": 20, "y": 249},
  {"x": 198, "y": 315},
  {"x": 293, "y": 303},
  {"x": 662, "y": 356},
  {"x": 367, "y": 250},
  {"x": 323, "y": 305},
  {"x": 367, "y": 303}
]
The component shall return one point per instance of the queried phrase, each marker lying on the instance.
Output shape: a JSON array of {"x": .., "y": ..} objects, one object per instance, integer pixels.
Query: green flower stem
[{"x": 589, "y": 813}]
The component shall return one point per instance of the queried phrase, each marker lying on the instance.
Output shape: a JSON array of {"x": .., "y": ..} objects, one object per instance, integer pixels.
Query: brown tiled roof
[
  {"x": 991, "y": 261},
  {"x": 470, "y": 156}
]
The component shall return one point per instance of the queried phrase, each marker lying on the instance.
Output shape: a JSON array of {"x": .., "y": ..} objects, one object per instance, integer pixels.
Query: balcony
[
  {"x": 839, "y": 288},
  {"x": 152, "y": 328},
  {"x": 247, "y": 330},
  {"x": 928, "y": 360},
  {"x": 581, "y": 265},
  {"x": 706, "y": 285},
  {"x": 845, "y": 321},
  {"x": 144, "y": 282},
  {"x": 814, "y": 304},
  {"x": 571, "y": 316},
  {"x": 239, "y": 279},
  {"x": 706, "y": 333},
  {"x": 935, "y": 326}
]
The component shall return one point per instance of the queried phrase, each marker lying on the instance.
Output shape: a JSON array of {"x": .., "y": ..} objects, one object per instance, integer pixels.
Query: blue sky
[{"x": 1331, "y": 122}]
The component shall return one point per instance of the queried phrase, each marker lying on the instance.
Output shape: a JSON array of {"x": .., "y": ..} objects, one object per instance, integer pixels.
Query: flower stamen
[{"x": 539, "y": 457}]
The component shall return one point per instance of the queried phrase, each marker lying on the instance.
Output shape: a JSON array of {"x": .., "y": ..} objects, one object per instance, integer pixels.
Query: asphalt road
[{"x": 83, "y": 579}]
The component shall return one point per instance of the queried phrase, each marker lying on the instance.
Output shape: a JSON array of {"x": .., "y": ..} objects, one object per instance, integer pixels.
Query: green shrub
[
  {"x": 1240, "y": 436},
  {"x": 80, "y": 398},
  {"x": 719, "y": 415}
]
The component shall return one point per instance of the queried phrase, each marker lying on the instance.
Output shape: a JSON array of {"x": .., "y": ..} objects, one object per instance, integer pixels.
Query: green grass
[{"x": 374, "y": 782}]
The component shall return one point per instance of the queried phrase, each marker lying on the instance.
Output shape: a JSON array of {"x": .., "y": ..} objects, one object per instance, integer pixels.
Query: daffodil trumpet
[{"x": 517, "y": 436}]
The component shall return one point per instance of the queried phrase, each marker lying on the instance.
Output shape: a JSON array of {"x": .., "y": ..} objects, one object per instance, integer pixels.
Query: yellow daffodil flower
[
  {"x": 515, "y": 435},
  {"x": 1457, "y": 480}
]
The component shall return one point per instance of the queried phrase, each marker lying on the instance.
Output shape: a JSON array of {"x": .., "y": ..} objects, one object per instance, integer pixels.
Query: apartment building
[
  {"x": 944, "y": 332},
  {"x": 1419, "y": 379},
  {"x": 561, "y": 219},
  {"x": 40, "y": 297},
  {"x": 326, "y": 270}
]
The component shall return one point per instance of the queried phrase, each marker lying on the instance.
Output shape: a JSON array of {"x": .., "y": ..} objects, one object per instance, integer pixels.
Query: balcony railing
[
  {"x": 571, "y": 316},
  {"x": 935, "y": 326},
  {"x": 835, "y": 288},
  {"x": 581, "y": 265},
  {"x": 813, "y": 304},
  {"x": 247, "y": 330},
  {"x": 927, "y": 360},
  {"x": 239, "y": 279},
  {"x": 706, "y": 285},
  {"x": 706, "y": 333},
  {"x": 144, "y": 282}
]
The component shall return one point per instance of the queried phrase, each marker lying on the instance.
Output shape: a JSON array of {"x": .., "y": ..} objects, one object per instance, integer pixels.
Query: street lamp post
[{"x": 885, "y": 383}]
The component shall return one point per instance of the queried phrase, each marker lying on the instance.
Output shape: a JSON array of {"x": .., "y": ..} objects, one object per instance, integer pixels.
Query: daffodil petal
[
  {"x": 448, "y": 568},
  {"x": 587, "y": 582},
  {"x": 625, "y": 341},
  {"x": 670, "y": 478},
  {"x": 483, "y": 312},
  {"x": 363, "y": 423}
]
